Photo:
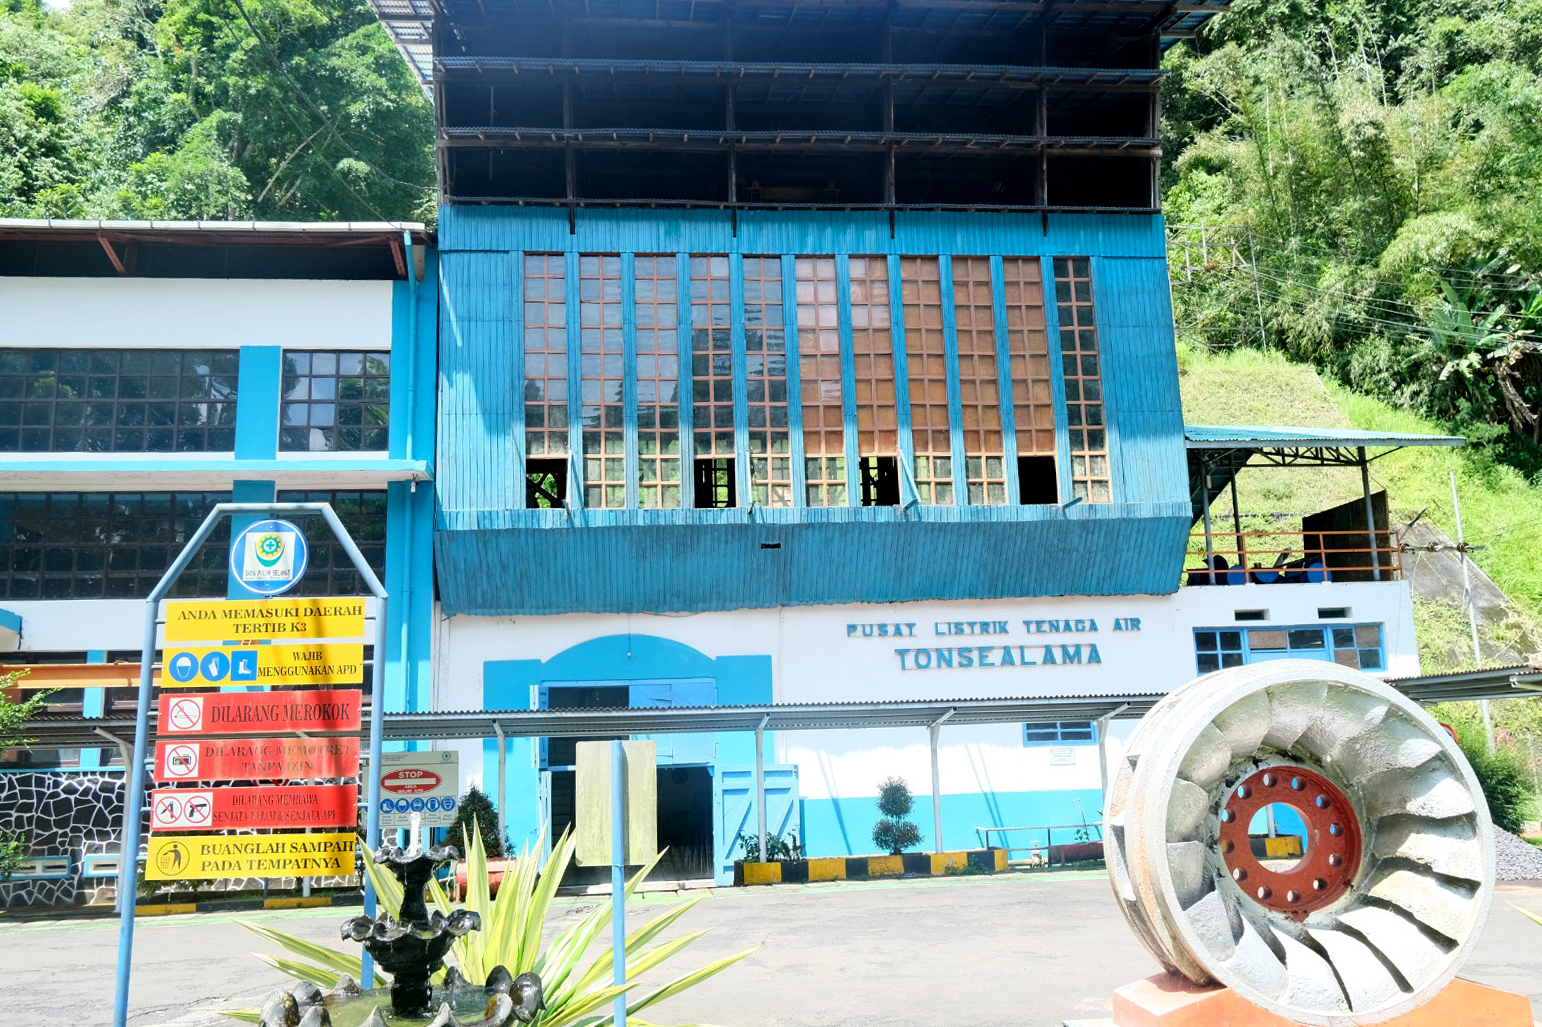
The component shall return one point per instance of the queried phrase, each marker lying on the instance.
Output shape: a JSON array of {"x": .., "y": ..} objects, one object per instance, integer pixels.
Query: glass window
[
  {"x": 1083, "y": 379},
  {"x": 1033, "y": 393},
  {"x": 819, "y": 368},
  {"x": 978, "y": 386},
  {"x": 329, "y": 571},
  {"x": 103, "y": 545},
  {"x": 765, "y": 344},
  {"x": 546, "y": 356},
  {"x": 603, "y": 362},
  {"x": 335, "y": 401},
  {"x": 658, "y": 383},
  {"x": 117, "y": 401},
  {"x": 1060, "y": 732},
  {"x": 872, "y": 349},
  {"x": 1357, "y": 646},
  {"x": 712, "y": 359},
  {"x": 926, "y": 365}
]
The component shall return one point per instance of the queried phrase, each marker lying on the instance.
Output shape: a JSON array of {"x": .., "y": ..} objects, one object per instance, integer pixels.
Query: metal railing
[
  {"x": 1276, "y": 555},
  {"x": 1040, "y": 851}
]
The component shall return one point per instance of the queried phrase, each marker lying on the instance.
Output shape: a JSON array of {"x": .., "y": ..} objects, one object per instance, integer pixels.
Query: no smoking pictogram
[{"x": 186, "y": 715}]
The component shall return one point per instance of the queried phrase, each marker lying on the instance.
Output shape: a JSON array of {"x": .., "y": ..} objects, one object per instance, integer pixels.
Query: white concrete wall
[
  {"x": 817, "y": 656},
  {"x": 195, "y": 313}
]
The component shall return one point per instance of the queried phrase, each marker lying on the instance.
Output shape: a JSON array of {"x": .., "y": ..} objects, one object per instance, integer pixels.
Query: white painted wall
[
  {"x": 817, "y": 656},
  {"x": 199, "y": 313}
]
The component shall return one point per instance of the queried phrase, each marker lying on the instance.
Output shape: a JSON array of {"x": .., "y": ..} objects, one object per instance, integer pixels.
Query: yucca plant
[{"x": 575, "y": 968}]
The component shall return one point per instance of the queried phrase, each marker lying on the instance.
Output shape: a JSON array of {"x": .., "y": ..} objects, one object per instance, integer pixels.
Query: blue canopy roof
[{"x": 1270, "y": 436}]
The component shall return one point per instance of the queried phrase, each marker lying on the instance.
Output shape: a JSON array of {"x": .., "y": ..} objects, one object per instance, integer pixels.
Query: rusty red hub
[{"x": 1333, "y": 840}]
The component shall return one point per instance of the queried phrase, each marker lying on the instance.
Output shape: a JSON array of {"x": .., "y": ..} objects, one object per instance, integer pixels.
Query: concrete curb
[{"x": 842, "y": 868}]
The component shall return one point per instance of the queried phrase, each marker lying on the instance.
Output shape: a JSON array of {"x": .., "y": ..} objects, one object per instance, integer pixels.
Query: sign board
[
  {"x": 255, "y": 759},
  {"x": 268, "y": 557},
  {"x": 426, "y": 783},
  {"x": 259, "y": 713},
  {"x": 235, "y": 620},
  {"x": 1062, "y": 757},
  {"x": 204, "y": 856},
  {"x": 319, "y": 663},
  {"x": 592, "y": 802},
  {"x": 225, "y": 809}
]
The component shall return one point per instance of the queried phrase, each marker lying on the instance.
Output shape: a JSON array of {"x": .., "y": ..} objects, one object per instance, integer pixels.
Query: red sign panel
[
  {"x": 256, "y": 713},
  {"x": 409, "y": 781},
  {"x": 219, "y": 809},
  {"x": 242, "y": 759}
]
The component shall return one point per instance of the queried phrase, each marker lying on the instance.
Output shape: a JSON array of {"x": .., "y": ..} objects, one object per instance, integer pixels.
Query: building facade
[
  {"x": 147, "y": 372},
  {"x": 824, "y": 353}
]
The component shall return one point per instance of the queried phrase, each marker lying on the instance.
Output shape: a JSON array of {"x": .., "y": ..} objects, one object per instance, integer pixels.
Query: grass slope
[{"x": 1500, "y": 509}]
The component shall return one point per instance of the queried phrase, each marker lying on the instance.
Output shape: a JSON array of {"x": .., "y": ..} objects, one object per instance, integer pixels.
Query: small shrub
[
  {"x": 477, "y": 809},
  {"x": 777, "y": 847},
  {"x": 1501, "y": 773},
  {"x": 13, "y": 850},
  {"x": 894, "y": 834}
]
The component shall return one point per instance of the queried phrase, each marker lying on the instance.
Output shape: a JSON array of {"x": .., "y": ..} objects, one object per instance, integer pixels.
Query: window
[
  {"x": 979, "y": 389},
  {"x": 765, "y": 344},
  {"x": 926, "y": 364},
  {"x": 1358, "y": 646},
  {"x": 1033, "y": 393},
  {"x": 603, "y": 364},
  {"x": 872, "y": 349},
  {"x": 1083, "y": 379},
  {"x": 1060, "y": 732},
  {"x": 658, "y": 383},
  {"x": 712, "y": 367},
  {"x": 819, "y": 368},
  {"x": 546, "y": 484},
  {"x": 329, "y": 570},
  {"x": 546, "y": 357},
  {"x": 715, "y": 485},
  {"x": 335, "y": 402},
  {"x": 117, "y": 401},
  {"x": 104, "y": 545}
]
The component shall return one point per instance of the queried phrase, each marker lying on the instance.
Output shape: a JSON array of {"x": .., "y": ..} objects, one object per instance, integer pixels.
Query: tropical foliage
[
  {"x": 13, "y": 719},
  {"x": 476, "y": 814},
  {"x": 575, "y": 967},
  {"x": 1375, "y": 168},
  {"x": 218, "y": 109}
]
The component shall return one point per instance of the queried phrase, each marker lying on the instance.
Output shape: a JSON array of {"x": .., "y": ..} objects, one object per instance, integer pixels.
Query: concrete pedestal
[{"x": 1169, "y": 1000}]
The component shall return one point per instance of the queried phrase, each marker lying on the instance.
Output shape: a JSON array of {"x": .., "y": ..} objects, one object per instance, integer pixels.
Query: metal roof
[
  {"x": 222, "y": 228},
  {"x": 1268, "y": 436},
  {"x": 69, "y": 731}
]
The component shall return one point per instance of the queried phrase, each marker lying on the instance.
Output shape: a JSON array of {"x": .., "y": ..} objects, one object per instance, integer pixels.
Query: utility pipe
[{"x": 935, "y": 731}]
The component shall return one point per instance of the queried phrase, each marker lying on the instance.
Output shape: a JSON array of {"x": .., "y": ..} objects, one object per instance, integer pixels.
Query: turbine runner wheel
[{"x": 1391, "y": 892}]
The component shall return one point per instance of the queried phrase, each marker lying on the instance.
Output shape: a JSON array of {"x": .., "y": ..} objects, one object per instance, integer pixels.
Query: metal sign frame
[{"x": 137, "y": 769}]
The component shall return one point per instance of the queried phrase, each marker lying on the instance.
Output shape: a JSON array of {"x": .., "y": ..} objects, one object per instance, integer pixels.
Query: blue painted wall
[
  {"x": 844, "y": 826},
  {"x": 517, "y": 685},
  {"x": 688, "y": 560}
]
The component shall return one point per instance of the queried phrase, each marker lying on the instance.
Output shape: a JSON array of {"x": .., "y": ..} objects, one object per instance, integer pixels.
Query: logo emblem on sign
[{"x": 268, "y": 557}]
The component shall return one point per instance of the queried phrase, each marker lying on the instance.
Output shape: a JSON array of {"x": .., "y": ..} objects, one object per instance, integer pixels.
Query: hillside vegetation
[
  {"x": 1358, "y": 184},
  {"x": 209, "y": 109}
]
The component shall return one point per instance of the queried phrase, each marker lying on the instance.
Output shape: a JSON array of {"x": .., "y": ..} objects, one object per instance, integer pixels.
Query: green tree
[
  {"x": 894, "y": 833},
  {"x": 477, "y": 809},
  {"x": 14, "y": 714}
]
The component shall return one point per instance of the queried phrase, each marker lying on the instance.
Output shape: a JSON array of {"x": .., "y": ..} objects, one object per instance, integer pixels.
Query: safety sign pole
[{"x": 134, "y": 802}]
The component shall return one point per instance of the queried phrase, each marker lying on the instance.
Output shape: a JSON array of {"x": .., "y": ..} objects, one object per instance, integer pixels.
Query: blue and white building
[
  {"x": 147, "y": 372},
  {"x": 824, "y": 352}
]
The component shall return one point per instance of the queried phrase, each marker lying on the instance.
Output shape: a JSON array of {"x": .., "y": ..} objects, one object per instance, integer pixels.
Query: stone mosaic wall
[
  {"x": 79, "y": 813},
  {"x": 63, "y": 813}
]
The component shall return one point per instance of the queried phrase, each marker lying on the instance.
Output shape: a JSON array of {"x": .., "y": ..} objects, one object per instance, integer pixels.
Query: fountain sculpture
[{"x": 410, "y": 947}]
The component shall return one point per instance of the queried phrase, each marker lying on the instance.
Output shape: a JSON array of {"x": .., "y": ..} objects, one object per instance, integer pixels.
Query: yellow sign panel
[
  {"x": 319, "y": 663},
  {"x": 230, "y": 620},
  {"x": 203, "y": 856}
]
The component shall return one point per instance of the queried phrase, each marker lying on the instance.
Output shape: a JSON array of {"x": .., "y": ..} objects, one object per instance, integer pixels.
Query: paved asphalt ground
[{"x": 1016, "y": 950}]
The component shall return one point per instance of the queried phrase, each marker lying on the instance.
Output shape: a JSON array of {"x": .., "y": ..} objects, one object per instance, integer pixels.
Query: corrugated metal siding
[
  {"x": 477, "y": 383},
  {"x": 688, "y": 568},
  {"x": 1140, "y": 378}
]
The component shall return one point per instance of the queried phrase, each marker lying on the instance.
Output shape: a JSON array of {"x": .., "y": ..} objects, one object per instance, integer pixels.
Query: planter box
[
  {"x": 840, "y": 868},
  {"x": 1075, "y": 852}
]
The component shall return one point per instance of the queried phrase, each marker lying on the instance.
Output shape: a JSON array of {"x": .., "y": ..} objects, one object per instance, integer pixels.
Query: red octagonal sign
[{"x": 409, "y": 781}]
